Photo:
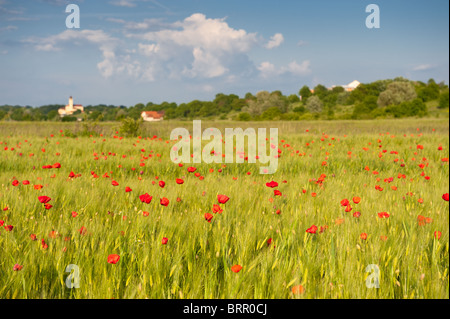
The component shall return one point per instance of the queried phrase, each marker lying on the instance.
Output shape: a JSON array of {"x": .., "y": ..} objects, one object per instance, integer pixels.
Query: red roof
[{"x": 154, "y": 114}]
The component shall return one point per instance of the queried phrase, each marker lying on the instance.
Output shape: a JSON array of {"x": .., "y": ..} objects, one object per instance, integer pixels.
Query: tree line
[{"x": 391, "y": 98}]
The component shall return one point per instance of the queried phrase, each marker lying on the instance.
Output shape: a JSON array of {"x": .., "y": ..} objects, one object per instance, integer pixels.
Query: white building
[
  {"x": 351, "y": 86},
  {"x": 152, "y": 116},
  {"x": 70, "y": 108}
]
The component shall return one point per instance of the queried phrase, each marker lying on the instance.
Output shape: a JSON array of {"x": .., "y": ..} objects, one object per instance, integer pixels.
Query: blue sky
[{"x": 131, "y": 51}]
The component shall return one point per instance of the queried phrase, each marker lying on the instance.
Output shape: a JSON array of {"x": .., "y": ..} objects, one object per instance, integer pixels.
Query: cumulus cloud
[
  {"x": 299, "y": 69},
  {"x": 275, "y": 41},
  {"x": 423, "y": 67},
  {"x": 196, "y": 48},
  {"x": 106, "y": 44},
  {"x": 268, "y": 70}
]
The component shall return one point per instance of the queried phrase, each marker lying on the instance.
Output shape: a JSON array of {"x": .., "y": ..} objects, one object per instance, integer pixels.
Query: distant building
[
  {"x": 70, "y": 108},
  {"x": 152, "y": 116},
  {"x": 351, "y": 86}
]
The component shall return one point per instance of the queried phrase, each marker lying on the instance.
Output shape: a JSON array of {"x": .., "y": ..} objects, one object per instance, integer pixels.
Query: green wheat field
[{"x": 71, "y": 195}]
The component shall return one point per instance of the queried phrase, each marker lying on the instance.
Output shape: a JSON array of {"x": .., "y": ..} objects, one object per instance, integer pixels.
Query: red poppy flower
[
  {"x": 15, "y": 182},
  {"x": 323, "y": 228},
  {"x": 179, "y": 181},
  {"x": 312, "y": 229},
  {"x": 17, "y": 267},
  {"x": 33, "y": 237},
  {"x": 82, "y": 230},
  {"x": 164, "y": 201},
  {"x": 356, "y": 200},
  {"x": 348, "y": 208},
  {"x": 9, "y": 227},
  {"x": 383, "y": 215},
  {"x": 356, "y": 214},
  {"x": 114, "y": 183},
  {"x": 113, "y": 259},
  {"x": 363, "y": 236},
  {"x": 127, "y": 189},
  {"x": 445, "y": 197},
  {"x": 145, "y": 214},
  {"x": 269, "y": 241},
  {"x": 146, "y": 198},
  {"x": 277, "y": 192},
  {"x": 47, "y": 206},
  {"x": 53, "y": 234},
  {"x": 344, "y": 202},
  {"x": 25, "y": 182},
  {"x": 222, "y": 199},
  {"x": 56, "y": 165},
  {"x": 74, "y": 214},
  {"x": 44, "y": 199},
  {"x": 162, "y": 184},
  {"x": 208, "y": 217},
  {"x": 437, "y": 234},
  {"x": 164, "y": 241},
  {"x": 298, "y": 290},
  {"x": 191, "y": 169},
  {"x": 71, "y": 174},
  {"x": 217, "y": 209},
  {"x": 272, "y": 184},
  {"x": 236, "y": 268}
]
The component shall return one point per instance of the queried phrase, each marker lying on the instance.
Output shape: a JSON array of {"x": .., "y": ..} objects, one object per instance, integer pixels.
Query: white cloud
[
  {"x": 8, "y": 28},
  {"x": 124, "y": 3},
  {"x": 423, "y": 67},
  {"x": 268, "y": 70},
  {"x": 196, "y": 46},
  {"x": 275, "y": 41},
  {"x": 148, "y": 49},
  {"x": 152, "y": 49},
  {"x": 106, "y": 44},
  {"x": 299, "y": 69}
]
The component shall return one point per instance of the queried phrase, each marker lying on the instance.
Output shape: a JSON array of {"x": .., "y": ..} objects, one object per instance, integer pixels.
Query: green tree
[
  {"x": 443, "y": 100},
  {"x": 321, "y": 91},
  {"x": 314, "y": 105},
  {"x": 293, "y": 98},
  {"x": 305, "y": 93},
  {"x": 265, "y": 100},
  {"x": 130, "y": 127},
  {"x": 243, "y": 116},
  {"x": 52, "y": 115},
  {"x": 17, "y": 114},
  {"x": 396, "y": 93},
  {"x": 272, "y": 113}
]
